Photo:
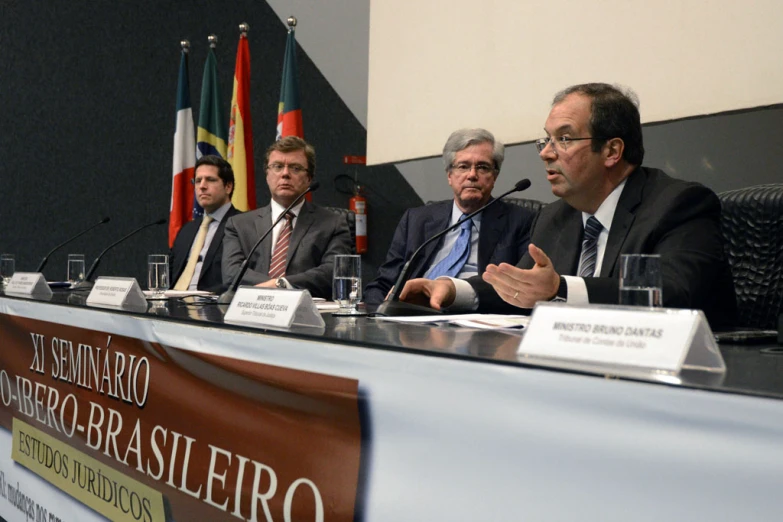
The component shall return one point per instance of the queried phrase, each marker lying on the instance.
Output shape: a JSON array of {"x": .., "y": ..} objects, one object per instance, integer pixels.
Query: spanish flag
[
  {"x": 240, "y": 132},
  {"x": 181, "y": 208}
]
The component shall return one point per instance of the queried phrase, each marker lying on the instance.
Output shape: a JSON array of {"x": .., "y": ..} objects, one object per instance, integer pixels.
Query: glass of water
[
  {"x": 75, "y": 268},
  {"x": 7, "y": 268},
  {"x": 640, "y": 280},
  {"x": 157, "y": 274},
  {"x": 347, "y": 284}
]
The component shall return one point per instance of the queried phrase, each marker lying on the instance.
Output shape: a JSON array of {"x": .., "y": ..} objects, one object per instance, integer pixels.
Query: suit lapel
[
  {"x": 566, "y": 245},
  {"x": 623, "y": 219},
  {"x": 262, "y": 223},
  {"x": 189, "y": 235},
  {"x": 492, "y": 225},
  {"x": 217, "y": 238},
  {"x": 441, "y": 218},
  {"x": 304, "y": 221}
]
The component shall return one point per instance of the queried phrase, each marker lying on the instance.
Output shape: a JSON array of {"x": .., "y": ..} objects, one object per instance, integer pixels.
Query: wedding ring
[{"x": 515, "y": 295}]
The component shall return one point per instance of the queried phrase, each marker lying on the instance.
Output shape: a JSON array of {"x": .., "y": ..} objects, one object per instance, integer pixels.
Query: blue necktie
[
  {"x": 593, "y": 228},
  {"x": 453, "y": 263}
]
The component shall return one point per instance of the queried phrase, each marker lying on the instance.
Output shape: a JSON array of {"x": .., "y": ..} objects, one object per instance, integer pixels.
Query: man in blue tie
[{"x": 472, "y": 158}]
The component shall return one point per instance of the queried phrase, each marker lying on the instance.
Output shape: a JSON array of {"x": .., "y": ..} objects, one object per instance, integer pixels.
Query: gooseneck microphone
[
  {"x": 228, "y": 295},
  {"x": 58, "y": 247},
  {"x": 87, "y": 283},
  {"x": 393, "y": 306}
]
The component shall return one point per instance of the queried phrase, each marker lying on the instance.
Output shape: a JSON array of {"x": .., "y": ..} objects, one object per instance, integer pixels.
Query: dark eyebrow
[{"x": 563, "y": 129}]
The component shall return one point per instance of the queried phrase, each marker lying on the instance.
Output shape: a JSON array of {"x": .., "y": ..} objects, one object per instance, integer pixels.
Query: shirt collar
[
  {"x": 605, "y": 213},
  {"x": 278, "y": 209},
  {"x": 220, "y": 213},
  {"x": 456, "y": 215}
]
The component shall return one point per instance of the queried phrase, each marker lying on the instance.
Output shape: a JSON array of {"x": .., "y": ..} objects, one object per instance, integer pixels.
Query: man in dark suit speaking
[
  {"x": 197, "y": 251},
  {"x": 498, "y": 235},
  {"x": 300, "y": 251},
  {"x": 609, "y": 205}
]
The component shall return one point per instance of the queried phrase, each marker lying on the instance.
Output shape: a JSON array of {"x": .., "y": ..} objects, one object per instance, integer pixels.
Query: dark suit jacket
[
  {"x": 503, "y": 238},
  {"x": 656, "y": 214},
  {"x": 318, "y": 236},
  {"x": 211, "y": 278}
]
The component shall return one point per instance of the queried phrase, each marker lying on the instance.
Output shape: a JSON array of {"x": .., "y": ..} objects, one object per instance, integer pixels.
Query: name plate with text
[
  {"x": 32, "y": 284},
  {"x": 601, "y": 337},
  {"x": 254, "y": 306},
  {"x": 117, "y": 292}
]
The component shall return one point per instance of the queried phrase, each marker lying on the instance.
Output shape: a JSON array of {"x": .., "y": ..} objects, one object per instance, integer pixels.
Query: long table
[{"x": 363, "y": 420}]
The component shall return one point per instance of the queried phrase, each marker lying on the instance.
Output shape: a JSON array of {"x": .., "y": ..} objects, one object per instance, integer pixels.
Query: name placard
[
  {"x": 603, "y": 337},
  {"x": 277, "y": 307},
  {"x": 32, "y": 284},
  {"x": 117, "y": 292}
]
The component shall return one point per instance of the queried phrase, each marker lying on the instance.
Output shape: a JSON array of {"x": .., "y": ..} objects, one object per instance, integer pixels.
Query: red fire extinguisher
[{"x": 358, "y": 203}]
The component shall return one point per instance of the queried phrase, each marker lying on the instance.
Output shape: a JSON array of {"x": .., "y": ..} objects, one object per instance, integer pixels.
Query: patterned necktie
[
  {"x": 452, "y": 264},
  {"x": 593, "y": 228},
  {"x": 277, "y": 264},
  {"x": 183, "y": 283}
]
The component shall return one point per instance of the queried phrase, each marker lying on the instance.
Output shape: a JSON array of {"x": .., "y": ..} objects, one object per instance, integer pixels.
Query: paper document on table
[
  {"x": 178, "y": 293},
  {"x": 486, "y": 321}
]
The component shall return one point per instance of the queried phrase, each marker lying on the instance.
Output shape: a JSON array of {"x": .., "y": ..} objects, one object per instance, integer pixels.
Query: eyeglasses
[
  {"x": 293, "y": 168},
  {"x": 560, "y": 143},
  {"x": 481, "y": 168}
]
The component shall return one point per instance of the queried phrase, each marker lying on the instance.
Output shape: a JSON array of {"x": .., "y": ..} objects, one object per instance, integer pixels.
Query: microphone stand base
[
  {"x": 401, "y": 308},
  {"x": 226, "y": 297},
  {"x": 83, "y": 286}
]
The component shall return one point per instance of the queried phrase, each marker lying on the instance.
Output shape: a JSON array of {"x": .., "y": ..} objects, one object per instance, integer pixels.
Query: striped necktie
[
  {"x": 183, "y": 283},
  {"x": 593, "y": 228},
  {"x": 277, "y": 264}
]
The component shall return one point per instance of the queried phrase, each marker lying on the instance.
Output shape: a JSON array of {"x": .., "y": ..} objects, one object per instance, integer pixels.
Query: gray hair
[{"x": 464, "y": 138}]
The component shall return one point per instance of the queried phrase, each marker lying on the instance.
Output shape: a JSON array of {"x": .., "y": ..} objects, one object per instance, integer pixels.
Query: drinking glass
[
  {"x": 157, "y": 274},
  {"x": 640, "y": 280},
  {"x": 347, "y": 284},
  {"x": 75, "y": 268},
  {"x": 7, "y": 268}
]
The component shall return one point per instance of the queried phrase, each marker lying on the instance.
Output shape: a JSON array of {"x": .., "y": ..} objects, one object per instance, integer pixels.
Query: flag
[
  {"x": 212, "y": 134},
  {"x": 240, "y": 132},
  {"x": 289, "y": 113},
  {"x": 180, "y": 210}
]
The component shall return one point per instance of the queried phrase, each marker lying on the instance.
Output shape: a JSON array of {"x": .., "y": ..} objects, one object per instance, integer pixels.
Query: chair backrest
[
  {"x": 533, "y": 204},
  {"x": 752, "y": 228},
  {"x": 351, "y": 217}
]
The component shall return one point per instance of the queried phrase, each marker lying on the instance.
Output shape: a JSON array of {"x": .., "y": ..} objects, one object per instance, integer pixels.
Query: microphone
[
  {"x": 393, "y": 306},
  {"x": 87, "y": 283},
  {"x": 55, "y": 249},
  {"x": 228, "y": 295}
]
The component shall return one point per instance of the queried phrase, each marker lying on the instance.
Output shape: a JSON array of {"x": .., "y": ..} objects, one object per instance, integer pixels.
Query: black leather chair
[
  {"x": 351, "y": 217},
  {"x": 752, "y": 227},
  {"x": 532, "y": 204}
]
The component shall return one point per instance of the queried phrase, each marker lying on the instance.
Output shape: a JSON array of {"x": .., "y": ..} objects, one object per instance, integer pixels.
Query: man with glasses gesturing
[
  {"x": 592, "y": 155},
  {"x": 500, "y": 234},
  {"x": 300, "y": 251}
]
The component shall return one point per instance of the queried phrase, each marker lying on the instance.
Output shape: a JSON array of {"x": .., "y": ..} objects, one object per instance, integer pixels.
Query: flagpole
[{"x": 291, "y": 23}]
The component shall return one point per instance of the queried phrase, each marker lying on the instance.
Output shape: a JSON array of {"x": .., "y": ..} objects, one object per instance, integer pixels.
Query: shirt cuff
[
  {"x": 577, "y": 290},
  {"x": 465, "y": 299}
]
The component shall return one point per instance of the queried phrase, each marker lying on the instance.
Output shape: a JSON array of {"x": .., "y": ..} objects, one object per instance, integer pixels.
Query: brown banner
[{"x": 221, "y": 439}]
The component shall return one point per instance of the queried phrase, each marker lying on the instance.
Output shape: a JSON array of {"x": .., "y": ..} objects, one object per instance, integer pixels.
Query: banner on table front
[{"x": 203, "y": 436}]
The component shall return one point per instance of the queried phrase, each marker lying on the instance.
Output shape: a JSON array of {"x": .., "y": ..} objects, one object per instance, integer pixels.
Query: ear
[{"x": 613, "y": 152}]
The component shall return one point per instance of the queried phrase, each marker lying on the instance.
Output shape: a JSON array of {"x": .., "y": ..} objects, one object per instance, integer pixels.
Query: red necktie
[{"x": 277, "y": 264}]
